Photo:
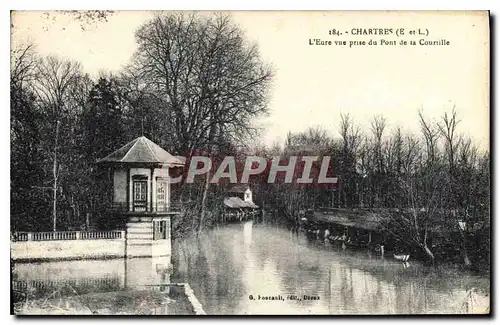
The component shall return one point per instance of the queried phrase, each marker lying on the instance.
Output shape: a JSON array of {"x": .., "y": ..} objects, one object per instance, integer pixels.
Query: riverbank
[{"x": 139, "y": 302}]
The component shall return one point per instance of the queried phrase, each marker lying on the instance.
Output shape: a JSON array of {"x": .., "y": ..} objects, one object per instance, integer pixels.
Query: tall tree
[
  {"x": 102, "y": 120},
  {"x": 205, "y": 73},
  {"x": 55, "y": 77},
  {"x": 27, "y": 199},
  {"x": 378, "y": 126},
  {"x": 351, "y": 140},
  {"x": 23, "y": 65},
  {"x": 99, "y": 132},
  {"x": 27, "y": 192}
]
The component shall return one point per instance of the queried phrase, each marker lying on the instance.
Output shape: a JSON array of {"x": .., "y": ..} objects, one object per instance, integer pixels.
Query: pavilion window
[
  {"x": 161, "y": 195},
  {"x": 160, "y": 230}
]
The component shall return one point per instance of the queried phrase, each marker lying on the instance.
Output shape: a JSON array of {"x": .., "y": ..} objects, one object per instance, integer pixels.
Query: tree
[
  {"x": 394, "y": 151},
  {"x": 448, "y": 130},
  {"x": 100, "y": 131},
  {"x": 27, "y": 193},
  {"x": 351, "y": 140},
  {"x": 431, "y": 137},
  {"x": 378, "y": 126},
  {"x": 210, "y": 81},
  {"x": 102, "y": 120},
  {"x": 53, "y": 84},
  {"x": 23, "y": 65},
  {"x": 292, "y": 199},
  {"x": 452, "y": 142},
  {"x": 26, "y": 173}
]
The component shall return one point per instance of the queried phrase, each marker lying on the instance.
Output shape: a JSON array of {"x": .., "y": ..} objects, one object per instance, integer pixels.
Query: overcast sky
[{"x": 314, "y": 84}]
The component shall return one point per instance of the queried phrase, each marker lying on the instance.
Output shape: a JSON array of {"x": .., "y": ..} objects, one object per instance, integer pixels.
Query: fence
[
  {"x": 124, "y": 207},
  {"x": 67, "y": 235}
]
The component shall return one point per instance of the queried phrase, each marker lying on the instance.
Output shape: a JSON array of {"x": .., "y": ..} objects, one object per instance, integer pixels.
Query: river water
[
  {"x": 228, "y": 267},
  {"x": 257, "y": 269}
]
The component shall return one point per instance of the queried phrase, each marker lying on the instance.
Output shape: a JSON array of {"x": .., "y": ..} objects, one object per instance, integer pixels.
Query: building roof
[
  {"x": 142, "y": 150},
  {"x": 236, "y": 203}
]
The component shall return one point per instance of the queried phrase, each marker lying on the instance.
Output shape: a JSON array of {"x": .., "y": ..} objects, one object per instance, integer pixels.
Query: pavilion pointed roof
[{"x": 142, "y": 151}]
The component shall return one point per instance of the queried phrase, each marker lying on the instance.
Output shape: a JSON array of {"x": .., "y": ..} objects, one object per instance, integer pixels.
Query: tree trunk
[
  {"x": 55, "y": 184},
  {"x": 211, "y": 137},
  {"x": 428, "y": 252},
  {"x": 465, "y": 256},
  {"x": 87, "y": 221},
  {"x": 54, "y": 200},
  {"x": 467, "y": 261},
  {"x": 203, "y": 202}
]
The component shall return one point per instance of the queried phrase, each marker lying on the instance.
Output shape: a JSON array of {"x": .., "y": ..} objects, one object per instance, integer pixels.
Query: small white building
[{"x": 239, "y": 203}]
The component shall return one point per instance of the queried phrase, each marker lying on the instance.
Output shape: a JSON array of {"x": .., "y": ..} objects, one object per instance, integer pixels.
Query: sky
[{"x": 314, "y": 84}]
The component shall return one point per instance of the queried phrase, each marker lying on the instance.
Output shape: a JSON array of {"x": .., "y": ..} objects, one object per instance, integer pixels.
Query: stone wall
[
  {"x": 67, "y": 249},
  {"x": 136, "y": 241}
]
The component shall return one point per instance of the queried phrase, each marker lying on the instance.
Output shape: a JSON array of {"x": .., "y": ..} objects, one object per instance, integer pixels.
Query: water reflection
[
  {"x": 90, "y": 276},
  {"x": 224, "y": 267}
]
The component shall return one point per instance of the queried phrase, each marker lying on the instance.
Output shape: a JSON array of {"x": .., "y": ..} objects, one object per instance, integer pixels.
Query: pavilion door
[{"x": 140, "y": 195}]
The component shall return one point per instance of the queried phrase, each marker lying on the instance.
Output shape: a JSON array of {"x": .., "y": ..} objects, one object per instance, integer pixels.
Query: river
[
  {"x": 256, "y": 269},
  {"x": 227, "y": 266}
]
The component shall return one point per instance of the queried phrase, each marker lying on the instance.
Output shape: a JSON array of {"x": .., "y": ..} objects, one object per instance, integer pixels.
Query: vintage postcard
[{"x": 250, "y": 163}]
